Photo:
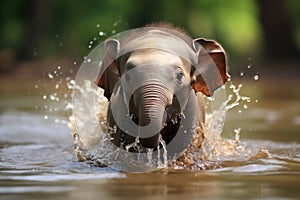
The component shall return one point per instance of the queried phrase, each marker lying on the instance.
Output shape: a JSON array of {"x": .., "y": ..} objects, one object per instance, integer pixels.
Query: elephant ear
[
  {"x": 210, "y": 72},
  {"x": 109, "y": 73}
]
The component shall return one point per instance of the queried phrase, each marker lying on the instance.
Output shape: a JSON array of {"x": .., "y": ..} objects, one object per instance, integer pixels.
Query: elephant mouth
[
  {"x": 167, "y": 133},
  {"x": 170, "y": 128}
]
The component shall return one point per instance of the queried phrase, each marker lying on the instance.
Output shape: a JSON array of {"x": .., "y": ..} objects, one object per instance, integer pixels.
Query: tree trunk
[
  {"x": 278, "y": 30},
  {"x": 38, "y": 16}
]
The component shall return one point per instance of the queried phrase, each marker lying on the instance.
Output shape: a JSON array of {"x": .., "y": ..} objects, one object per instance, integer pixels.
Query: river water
[{"x": 37, "y": 159}]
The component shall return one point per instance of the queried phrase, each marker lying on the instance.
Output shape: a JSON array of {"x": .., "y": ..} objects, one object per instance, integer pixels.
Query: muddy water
[{"x": 37, "y": 159}]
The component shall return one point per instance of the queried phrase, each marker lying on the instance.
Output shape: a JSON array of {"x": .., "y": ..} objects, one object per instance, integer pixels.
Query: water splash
[
  {"x": 56, "y": 92},
  {"x": 92, "y": 142},
  {"x": 208, "y": 149}
]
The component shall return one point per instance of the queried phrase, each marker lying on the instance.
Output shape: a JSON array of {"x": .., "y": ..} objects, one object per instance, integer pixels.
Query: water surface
[{"x": 37, "y": 158}]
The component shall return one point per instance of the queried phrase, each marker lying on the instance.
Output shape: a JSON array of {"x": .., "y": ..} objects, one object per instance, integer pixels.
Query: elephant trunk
[{"x": 151, "y": 101}]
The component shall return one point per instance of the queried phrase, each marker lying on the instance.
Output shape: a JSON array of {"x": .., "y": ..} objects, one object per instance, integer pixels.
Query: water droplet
[
  {"x": 72, "y": 82},
  {"x": 91, "y": 42},
  {"x": 58, "y": 67},
  {"x": 90, "y": 46},
  {"x": 246, "y": 98},
  {"x": 256, "y": 77},
  {"x": 241, "y": 74},
  {"x": 36, "y": 86},
  {"x": 113, "y": 31},
  {"x": 237, "y": 134},
  {"x": 98, "y": 26},
  {"x": 44, "y": 97},
  {"x": 94, "y": 38},
  {"x": 52, "y": 97},
  {"x": 88, "y": 60},
  {"x": 69, "y": 106},
  {"x": 74, "y": 63},
  {"x": 61, "y": 44},
  {"x": 249, "y": 66},
  {"x": 101, "y": 33},
  {"x": 237, "y": 130},
  {"x": 56, "y": 86},
  {"x": 45, "y": 117},
  {"x": 240, "y": 111},
  {"x": 50, "y": 76},
  {"x": 245, "y": 106}
]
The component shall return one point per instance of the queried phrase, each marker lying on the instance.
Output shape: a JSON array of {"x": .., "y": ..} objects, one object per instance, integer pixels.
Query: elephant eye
[
  {"x": 127, "y": 77},
  {"x": 179, "y": 76}
]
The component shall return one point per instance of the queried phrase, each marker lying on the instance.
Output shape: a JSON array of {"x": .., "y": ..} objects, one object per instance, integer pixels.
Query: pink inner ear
[
  {"x": 108, "y": 76},
  {"x": 200, "y": 86},
  {"x": 210, "y": 46},
  {"x": 212, "y": 77}
]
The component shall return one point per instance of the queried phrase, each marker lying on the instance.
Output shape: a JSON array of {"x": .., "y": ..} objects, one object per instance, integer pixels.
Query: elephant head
[{"x": 155, "y": 85}]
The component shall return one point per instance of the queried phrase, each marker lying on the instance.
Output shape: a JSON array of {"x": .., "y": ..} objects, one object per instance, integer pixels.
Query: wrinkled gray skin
[
  {"x": 155, "y": 101},
  {"x": 168, "y": 93}
]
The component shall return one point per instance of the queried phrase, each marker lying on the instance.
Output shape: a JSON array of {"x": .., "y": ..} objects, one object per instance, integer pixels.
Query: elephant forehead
[
  {"x": 160, "y": 40},
  {"x": 154, "y": 56}
]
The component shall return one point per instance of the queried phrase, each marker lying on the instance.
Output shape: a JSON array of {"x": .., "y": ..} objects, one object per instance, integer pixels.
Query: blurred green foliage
[{"x": 36, "y": 29}]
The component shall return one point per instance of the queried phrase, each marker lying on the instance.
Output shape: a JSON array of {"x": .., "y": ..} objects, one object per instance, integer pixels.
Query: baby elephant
[{"x": 154, "y": 80}]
